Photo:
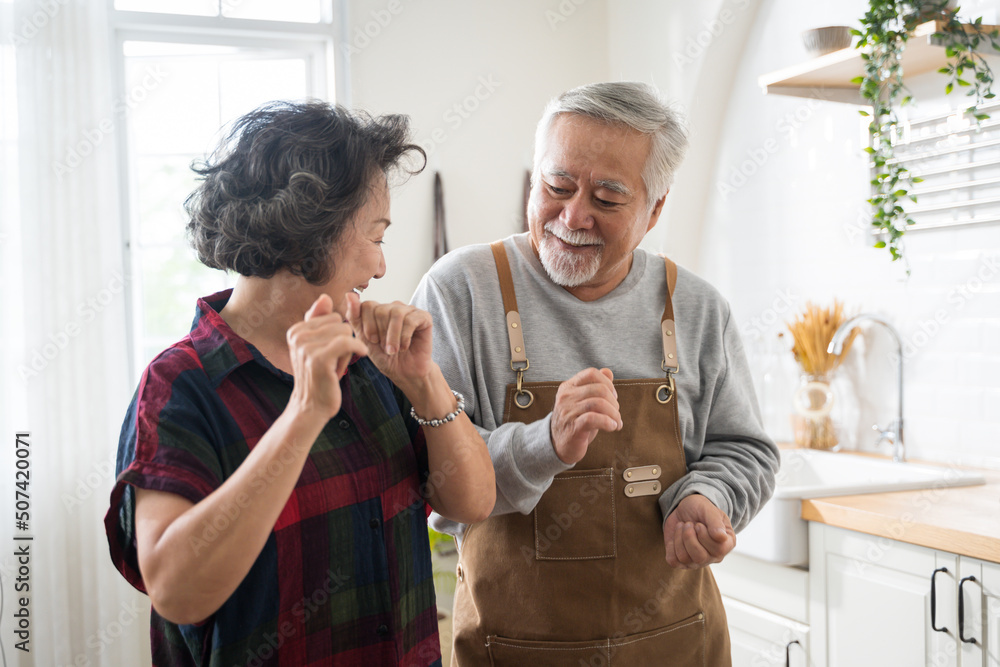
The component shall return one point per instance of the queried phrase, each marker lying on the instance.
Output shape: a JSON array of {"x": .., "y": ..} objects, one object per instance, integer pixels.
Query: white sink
[{"x": 779, "y": 535}]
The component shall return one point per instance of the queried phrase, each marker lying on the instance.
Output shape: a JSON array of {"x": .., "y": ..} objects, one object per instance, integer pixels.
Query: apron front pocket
[
  {"x": 575, "y": 518},
  {"x": 680, "y": 644},
  {"x": 506, "y": 652}
]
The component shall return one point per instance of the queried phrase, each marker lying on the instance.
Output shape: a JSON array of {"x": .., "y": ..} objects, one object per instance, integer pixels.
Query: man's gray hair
[{"x": 635, "y": 105}]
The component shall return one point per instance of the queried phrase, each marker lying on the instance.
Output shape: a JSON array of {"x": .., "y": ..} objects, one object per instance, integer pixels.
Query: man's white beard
[{"x": 566, "y": 268}]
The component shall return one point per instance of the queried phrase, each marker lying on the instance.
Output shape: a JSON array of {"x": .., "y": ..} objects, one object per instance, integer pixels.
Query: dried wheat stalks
[{"x": 812, "y": 331}]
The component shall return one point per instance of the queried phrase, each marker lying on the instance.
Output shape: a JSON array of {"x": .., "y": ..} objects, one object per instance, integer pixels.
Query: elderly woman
[{"x": 274, "y": 464}]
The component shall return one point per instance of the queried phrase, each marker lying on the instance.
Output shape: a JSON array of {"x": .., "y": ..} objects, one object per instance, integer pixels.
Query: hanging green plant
[{"x": 885, "y": 29}]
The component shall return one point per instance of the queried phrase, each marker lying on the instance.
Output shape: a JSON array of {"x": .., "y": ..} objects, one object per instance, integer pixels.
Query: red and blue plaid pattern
[{"x": 345, "y": 577}]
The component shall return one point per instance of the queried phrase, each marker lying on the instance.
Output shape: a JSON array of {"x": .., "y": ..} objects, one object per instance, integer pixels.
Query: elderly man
[{"x": 612, "y": 389}]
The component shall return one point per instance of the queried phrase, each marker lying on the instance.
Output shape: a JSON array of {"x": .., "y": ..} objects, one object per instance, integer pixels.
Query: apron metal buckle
[
  {"x": 522, "y": 392},
  {"x": 665, "y": 392}
]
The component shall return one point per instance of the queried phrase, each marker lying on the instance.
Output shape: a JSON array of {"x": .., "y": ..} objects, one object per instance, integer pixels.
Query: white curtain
[{"x": 63, "y": 333}]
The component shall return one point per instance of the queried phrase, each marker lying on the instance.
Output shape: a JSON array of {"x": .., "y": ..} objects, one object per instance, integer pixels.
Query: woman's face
[{"x": 358, "y": 255}]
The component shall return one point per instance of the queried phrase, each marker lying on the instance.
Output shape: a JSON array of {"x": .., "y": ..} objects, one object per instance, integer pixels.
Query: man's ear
[{"x": 654, "y": 215}]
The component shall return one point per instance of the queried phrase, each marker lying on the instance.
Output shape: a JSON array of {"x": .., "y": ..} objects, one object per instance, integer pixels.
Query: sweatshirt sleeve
[
  {"x": 738, "y": 460},
  {"x": 523, "y": 457}
]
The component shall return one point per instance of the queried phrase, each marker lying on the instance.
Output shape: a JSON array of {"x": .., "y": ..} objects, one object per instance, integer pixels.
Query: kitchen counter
[{"x": 960, "y": 520}]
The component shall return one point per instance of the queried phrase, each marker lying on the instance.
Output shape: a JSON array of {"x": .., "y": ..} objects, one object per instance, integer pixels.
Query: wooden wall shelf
[{"x": 829, "y": 77}]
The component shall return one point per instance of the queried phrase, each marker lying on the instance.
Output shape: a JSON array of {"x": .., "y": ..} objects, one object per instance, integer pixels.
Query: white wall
[
  {"x": 792, "y": 230},
  {"x": 432, "y": 56},
  {"x": 689, "y": 51}
]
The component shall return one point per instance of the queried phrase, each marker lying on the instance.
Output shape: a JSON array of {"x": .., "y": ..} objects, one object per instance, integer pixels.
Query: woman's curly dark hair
[{"x": 283, "y": 186}]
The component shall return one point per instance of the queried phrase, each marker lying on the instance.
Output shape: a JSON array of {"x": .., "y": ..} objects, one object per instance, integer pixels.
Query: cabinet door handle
[
  {"x": 961, "y": 612},
  {"x": 788, "y": 649},
  {"x": 934, "y": 602}
]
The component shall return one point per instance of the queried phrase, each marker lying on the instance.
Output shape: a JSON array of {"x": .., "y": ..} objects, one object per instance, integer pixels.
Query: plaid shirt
[{"x": 345, "y": 577}]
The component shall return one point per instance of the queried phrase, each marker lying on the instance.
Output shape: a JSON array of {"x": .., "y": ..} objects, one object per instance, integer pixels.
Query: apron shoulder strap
[
  {"x": 667, "y": 329},
  {"x": 515, "y": 335},
  {"x": 671, "y": 277}
]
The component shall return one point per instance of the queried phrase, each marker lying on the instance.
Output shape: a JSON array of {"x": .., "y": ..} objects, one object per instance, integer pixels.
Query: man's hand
[
  {"x": 697, "y": 533},
  {"x": 585, "y": 404}
]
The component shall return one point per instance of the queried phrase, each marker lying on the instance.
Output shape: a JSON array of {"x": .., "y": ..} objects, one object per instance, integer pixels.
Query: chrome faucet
[{"x": 894, "y": 433}]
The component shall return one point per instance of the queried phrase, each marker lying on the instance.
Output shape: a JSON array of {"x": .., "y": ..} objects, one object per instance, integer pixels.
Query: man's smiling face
[{"x": 588, "y": 206}]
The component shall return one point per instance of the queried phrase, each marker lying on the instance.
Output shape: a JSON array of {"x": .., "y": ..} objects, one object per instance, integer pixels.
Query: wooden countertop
[{"x": 962, "y": 520}]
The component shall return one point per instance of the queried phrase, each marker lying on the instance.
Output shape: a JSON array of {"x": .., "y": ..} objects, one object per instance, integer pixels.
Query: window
[
  {"x": 959, "y": 162},
  {"x": 186, "y": 69},
  {"x": 302, "y": 11}
]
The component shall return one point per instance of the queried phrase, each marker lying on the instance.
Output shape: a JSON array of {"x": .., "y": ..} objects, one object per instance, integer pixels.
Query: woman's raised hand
[
  {"x": 320, "y": 347},
  {"x": 398, "y": 337}
]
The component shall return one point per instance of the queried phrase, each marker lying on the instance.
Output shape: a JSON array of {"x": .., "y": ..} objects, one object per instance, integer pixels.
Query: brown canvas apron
[{"x": 583, "y": 580}]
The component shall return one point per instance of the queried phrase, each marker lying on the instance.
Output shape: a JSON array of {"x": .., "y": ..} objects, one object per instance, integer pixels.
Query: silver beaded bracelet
[{"x": 447, "y": 418}]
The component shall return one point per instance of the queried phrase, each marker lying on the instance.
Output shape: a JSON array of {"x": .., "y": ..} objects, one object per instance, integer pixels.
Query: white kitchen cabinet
[
  {"x": 865, "y": 601},
  {"x": 762, "y": 639},
  {"x": 991, "y": 612},
  {"x": 767, "y": 609},
  {"x": 980, "y": 599},
  {"x": 873, "y": 603}
]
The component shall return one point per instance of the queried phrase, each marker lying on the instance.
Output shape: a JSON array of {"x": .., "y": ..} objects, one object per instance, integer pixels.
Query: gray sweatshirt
[{"x": 731, "y": 460}]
